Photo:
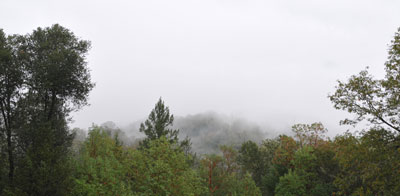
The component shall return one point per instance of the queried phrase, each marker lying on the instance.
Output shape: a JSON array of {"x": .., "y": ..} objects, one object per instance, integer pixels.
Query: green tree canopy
[
  {"x": 162, "y": 170},
  {"x": 369, "y": 165},
  {"x": 101, "y": 166},
  {"x": 222, "y": 175},
  {"x": 291, "y": 184},
  {"x": 43, "y": 77}
]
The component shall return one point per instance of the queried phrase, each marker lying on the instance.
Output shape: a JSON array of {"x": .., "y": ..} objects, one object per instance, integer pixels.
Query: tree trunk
[{"x": 10, "y": 158}]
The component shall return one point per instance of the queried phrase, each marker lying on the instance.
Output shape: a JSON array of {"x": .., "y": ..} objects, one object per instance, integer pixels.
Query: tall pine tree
[{"x": 158, "y": 124}]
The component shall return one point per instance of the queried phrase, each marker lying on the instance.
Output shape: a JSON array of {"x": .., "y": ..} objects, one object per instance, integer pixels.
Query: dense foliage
[{"x": 43, "y": 77}]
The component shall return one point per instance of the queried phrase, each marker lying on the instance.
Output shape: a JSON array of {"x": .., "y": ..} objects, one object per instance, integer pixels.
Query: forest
[{"x": 44, "y": 77}]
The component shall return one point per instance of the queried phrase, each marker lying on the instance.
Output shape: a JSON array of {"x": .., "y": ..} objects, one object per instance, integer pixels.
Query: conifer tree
[{"x": 158, "y": 125}]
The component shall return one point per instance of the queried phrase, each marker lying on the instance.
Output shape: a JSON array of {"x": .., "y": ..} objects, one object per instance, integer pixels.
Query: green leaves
[
  {"x": 376, "y": 101},
  {"x": 222, "y": 175},
  {"x": 58, "y": 66},
  {"x": 101, "y": 167},
  {"x": 369, "y": 164},
  {"x": 291, "y": 184},
  {"x": 43, "y": 77},
  {"x": 106, "y": 168},
  {"x": 160, "y": 169}
]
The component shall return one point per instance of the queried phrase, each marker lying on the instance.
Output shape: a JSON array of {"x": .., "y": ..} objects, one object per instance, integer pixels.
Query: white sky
[{"x": 272, "y": 62}]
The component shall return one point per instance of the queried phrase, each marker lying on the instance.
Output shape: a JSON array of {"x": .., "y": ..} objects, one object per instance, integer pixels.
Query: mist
[
  {"x": 207, "y": 131},
  {"x": 224, "y": 72},
  {"x": 272, "y": 62}
]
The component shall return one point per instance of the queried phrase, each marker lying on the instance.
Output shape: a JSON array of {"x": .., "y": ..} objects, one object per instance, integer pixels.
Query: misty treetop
[{"x": 44, "y": 76}]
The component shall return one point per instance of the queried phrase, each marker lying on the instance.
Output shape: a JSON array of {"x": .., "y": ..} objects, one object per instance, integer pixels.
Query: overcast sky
[{"x": 271, "y": 62}]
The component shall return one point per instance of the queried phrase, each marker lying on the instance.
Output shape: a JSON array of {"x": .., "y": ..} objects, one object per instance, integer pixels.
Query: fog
[
  {"x": 206, "y": 131},
  {"x": 271, "y": 63}
]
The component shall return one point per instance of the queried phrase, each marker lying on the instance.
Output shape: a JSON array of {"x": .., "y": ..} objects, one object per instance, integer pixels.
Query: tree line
[{"x": 44, "y": 77}]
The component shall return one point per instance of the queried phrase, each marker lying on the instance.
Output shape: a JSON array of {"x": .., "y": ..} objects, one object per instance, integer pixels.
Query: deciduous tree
[
  {"x": 43, "y": 77},
  {"x": 374, "y": 100}
]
